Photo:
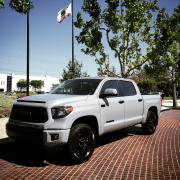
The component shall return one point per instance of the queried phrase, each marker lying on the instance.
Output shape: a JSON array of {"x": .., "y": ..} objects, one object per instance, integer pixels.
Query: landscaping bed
[{"x": 6, "y": 101}]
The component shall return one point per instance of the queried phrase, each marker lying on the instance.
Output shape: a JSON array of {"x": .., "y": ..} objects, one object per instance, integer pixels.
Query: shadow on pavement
[
  {"x": 32, "y": 155},
  {"x": 117, "y": 135},
  {"x": 21, "y": 154},
  {"x": 37, "y": 156}
]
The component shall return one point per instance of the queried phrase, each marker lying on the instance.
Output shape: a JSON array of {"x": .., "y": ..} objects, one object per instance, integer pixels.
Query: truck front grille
[{"x": 29, "y": 114}]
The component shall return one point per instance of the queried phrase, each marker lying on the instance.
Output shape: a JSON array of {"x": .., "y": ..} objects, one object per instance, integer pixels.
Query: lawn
[
  {"x": 6, "y": 102},
  {"x": 168, "y": 98}
]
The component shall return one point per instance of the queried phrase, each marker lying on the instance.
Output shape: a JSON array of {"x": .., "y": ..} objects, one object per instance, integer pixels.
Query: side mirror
[{"x": 110, "y": 92}]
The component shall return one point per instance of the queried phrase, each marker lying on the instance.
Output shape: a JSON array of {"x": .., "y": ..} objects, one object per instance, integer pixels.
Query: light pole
[
  {"x": 27, "y": 71},
  {"x": 72, "y": 6}
]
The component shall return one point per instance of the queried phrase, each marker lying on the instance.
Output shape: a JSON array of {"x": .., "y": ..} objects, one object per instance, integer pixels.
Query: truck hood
[{"x": 53, "y": 99}]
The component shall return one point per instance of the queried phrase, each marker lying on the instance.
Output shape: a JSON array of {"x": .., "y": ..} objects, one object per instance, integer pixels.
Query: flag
[{"x": 64, "y": 13}]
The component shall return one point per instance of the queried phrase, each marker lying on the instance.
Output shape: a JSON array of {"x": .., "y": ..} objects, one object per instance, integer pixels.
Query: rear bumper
[{"x": 38, "y": 136}]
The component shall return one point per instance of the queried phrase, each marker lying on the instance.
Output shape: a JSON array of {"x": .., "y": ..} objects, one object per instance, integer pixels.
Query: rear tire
[
  {"x": 151, "y": 122},
  {"x": 81, "y": 143}
]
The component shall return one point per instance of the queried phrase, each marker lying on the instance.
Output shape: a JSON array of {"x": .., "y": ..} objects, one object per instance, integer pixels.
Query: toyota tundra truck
[{"x": 80, "y": 110}]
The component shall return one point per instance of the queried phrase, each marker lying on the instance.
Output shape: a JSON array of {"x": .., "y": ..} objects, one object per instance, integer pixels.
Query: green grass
[
  {"x": 168, "y": 98},
  {"x": 6, "y": 102}
]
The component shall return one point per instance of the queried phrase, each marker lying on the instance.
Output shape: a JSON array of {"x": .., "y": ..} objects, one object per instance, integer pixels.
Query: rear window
[{"x": 126, "y": 88}]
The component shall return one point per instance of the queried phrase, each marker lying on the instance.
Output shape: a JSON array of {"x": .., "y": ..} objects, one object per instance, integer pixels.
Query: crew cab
[{"x": 80, "y": 110}]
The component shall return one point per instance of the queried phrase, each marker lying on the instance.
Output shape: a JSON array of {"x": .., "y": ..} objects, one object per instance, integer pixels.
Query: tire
[
  {"x": 81, "y": 143},
  {"x": 151, "y": 122}
]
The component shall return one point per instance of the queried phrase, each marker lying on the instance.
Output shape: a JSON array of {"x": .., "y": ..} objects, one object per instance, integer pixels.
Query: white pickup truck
[{"x": 80, "y": 110}]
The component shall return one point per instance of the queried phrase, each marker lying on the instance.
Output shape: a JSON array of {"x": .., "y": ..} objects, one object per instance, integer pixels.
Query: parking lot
[{"x": 126, "y": 154}]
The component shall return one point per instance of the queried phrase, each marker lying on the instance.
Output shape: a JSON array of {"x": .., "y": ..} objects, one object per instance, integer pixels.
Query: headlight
[{"x": 59, "y": 112}]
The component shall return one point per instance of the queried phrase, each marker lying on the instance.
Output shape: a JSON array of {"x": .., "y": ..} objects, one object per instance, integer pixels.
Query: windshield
[{"x": 77, "y": 87}]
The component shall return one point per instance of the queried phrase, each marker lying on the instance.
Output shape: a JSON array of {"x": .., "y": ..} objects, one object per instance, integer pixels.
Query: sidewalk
[
  {"x": 3, "y": 122},
  {"x": 168, "y": 104}
]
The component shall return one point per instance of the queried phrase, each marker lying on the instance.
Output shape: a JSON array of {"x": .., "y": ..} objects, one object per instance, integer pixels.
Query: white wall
[
  {"x": 48, "y": 81},
  {"x": 3, "y": 81}
]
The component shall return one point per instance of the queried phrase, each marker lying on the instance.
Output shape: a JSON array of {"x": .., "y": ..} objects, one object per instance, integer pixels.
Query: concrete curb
[
  {"x": 169, "y": 108},
  {"x": 162, "y": 110},
  {"x": 177, "y": 108},
  {"x": 3, "y": 122}
]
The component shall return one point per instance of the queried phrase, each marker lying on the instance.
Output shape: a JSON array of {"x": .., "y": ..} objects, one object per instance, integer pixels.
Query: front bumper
[{"x": 46, "y": 137}]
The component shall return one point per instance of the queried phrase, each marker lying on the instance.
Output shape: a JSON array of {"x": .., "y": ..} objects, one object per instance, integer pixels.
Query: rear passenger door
[{"x": 133, "y": 103}]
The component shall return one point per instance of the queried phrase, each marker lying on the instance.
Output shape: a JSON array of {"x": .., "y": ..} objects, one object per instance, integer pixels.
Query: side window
[
  {"x": 127, "y": 88},
  {"x": 109, "y": 84}
]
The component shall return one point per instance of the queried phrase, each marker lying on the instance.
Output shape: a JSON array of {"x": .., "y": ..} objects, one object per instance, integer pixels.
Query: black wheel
[
  {"x": 151, "y": 122},
  {"x": 81, "y": 142}
]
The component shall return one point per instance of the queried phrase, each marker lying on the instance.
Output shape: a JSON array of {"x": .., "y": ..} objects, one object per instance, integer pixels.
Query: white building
[
  {"x": 9, "y": 82},
  {"x": 3, "y": 82}
]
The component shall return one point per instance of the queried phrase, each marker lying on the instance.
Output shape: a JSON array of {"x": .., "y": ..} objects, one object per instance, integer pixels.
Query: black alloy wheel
[
  {"x": 150, "y": 126},
  {"x": 81, "y": 143}
]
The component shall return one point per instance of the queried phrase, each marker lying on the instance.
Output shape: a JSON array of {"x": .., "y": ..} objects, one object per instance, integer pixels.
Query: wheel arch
[
  {"x": 89, "y": 120},
  {"x": 154, "y": 110}
]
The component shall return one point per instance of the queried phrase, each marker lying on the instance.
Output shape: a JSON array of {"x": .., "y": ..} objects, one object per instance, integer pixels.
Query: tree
[
  {"x": 54, "y": 86},
  {"x": 21, "y": 6},
  {"x": 37, "y": 84},
  {"x": 166, "y": 45},
  {"x": 125, "y": 25},
  {"x": 158, "y": 73},
  {"x": 24, "y": 7},
  {"x": 21, "y": 84},
  {"x": 1, "y": 4},
  {"x": 147, "y": 85},
  {"x": 69, "y": 73},
  {"x": 109, "y": 71}
]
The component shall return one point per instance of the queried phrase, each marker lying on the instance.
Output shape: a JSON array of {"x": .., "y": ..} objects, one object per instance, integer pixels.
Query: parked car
[{"x": 80, "y": 110}]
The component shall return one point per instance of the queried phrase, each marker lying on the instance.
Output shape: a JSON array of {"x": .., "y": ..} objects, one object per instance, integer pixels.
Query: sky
[{"x": 50, "y": 42}]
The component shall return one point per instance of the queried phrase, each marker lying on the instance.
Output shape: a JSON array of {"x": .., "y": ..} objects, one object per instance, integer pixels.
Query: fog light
[{"x": 54, "y": 137}]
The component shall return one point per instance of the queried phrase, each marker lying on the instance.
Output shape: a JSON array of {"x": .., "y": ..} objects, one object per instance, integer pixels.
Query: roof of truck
[
  {"x": 97, "y": 77},
  {"x": 102, "y": 77}
]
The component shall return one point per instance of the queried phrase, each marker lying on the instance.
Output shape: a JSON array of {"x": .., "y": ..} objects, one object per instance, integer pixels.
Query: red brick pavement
[{"x": 127, "y": 154}]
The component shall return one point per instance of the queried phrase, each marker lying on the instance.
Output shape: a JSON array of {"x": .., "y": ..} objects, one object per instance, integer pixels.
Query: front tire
[
  {"x": 81, "y": 143},
  {"x": 151, "y": 122}
]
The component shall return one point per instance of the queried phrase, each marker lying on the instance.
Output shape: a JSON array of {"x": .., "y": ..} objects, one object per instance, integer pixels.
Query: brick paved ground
[{"x": 122, "y": 155}]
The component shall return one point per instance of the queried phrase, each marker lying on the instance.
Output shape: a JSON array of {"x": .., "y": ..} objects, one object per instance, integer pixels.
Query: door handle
[
  {"x": 139, "y": 100},
  {"x": 121, "y": 102}
]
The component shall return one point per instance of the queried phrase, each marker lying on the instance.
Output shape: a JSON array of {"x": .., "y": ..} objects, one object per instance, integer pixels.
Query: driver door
[{"x": 112, "y": 108}]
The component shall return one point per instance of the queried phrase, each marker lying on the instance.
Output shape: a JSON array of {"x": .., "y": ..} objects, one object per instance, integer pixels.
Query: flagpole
[{"x": 72, "y": 4}]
